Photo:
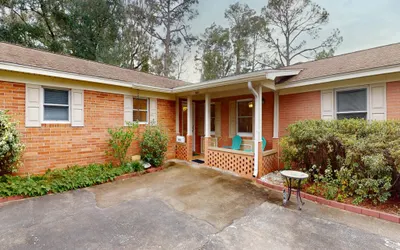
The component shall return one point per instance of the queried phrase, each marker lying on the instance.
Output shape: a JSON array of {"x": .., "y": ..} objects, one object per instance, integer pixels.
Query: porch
[{"x": 207, "y": 120}]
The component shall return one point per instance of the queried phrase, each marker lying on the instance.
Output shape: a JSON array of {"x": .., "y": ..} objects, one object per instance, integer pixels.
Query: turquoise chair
[
  {"x": 236, "y": 142},
  {"x": 263, "y": 145}
]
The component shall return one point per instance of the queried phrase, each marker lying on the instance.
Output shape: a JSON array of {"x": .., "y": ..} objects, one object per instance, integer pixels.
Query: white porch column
[
  {"x": 177, "y": 115},
  {"x": 276, "y": 115},
  {"x": 207, "y": 116},
  {"x": 260, "y": 97},
  {"x": 189, "y": 116}
]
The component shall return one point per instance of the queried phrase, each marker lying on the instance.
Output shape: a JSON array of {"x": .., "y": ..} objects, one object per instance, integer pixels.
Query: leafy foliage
[
  {"x": 11, "y": 147},
  {"x": 351, "y": 158},
  {"x": 154, "y": 145},
  {"x": 61, "y": 180},
  {"x": 120, "y": 140}
]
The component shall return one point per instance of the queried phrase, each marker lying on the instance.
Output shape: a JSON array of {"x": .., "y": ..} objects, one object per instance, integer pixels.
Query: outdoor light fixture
[{"x": 251, "y": 105}]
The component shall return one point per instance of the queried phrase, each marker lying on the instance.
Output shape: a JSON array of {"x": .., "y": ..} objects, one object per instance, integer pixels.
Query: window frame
[
  {"x": 141, "y": 110},
  {"x": 212, "y": 132},
  {"x": 244, "y": 134},
  {"x": 367, "y": 111},
  {"x": 42, "y": 104}
]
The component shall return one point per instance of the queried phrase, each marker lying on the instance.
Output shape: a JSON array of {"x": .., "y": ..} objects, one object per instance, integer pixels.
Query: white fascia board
[
  {"x": 272, "y": 75},
  {"x": 78, "y": 77},
  {"x": 341, "y": 77}
]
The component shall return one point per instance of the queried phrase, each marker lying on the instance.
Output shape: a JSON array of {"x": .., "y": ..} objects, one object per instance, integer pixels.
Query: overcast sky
[{"x": 362, "y": 23}]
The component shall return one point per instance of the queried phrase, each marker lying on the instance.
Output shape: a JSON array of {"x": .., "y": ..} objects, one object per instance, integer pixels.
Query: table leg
[
  {"x": 300, "y": 202},
  {"x": 286, "y": 197}
]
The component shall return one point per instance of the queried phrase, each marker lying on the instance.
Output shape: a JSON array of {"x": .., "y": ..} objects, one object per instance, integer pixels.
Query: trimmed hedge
[
  {"x": 346, "y": 158},
  {"x": 61, "y": 180}
]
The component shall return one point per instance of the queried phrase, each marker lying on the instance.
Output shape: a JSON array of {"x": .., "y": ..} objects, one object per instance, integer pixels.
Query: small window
[
  {"x": 140, "y": 110},
  {"x": 212, "y": 118},
  {"x": 245, "y": 116},
  {"x": 56, "y": 105},
  {"x": 351, "y": 104}
]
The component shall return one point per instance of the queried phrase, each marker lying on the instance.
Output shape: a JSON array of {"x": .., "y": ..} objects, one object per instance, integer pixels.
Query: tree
[
  {"x": 170, "y": 18},
  {"x": 240, "y": 17},
  {"x": 290, "y": 22},
  {"x": 91, "y": 26},
  {"x": 215, "y": 53},
  {"x": 134, "y": 45},
  {"x": 257, "y": 23},
  {"x": 30, "y": 23},
  {"x": 324, "y": 54}
]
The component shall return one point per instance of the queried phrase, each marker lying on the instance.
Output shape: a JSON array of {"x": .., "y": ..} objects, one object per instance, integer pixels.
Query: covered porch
[{"x": 209, "y": 117}]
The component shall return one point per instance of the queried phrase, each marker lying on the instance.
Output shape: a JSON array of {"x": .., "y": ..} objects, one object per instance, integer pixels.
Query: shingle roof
[
  {"x": 45, "y": 60},
  {"x": 384, "y": 56}
]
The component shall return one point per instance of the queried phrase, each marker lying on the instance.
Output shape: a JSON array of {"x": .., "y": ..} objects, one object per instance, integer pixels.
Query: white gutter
[{"x": 256, "y": 133}]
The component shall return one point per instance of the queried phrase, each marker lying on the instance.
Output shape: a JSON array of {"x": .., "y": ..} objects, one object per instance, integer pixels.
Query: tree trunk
[{"x": 167, "y": 43}]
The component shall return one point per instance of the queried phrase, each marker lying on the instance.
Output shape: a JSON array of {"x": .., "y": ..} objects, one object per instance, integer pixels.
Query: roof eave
[
  {"x": 243, "y": 78},
  {"x": 78, "y": 77},
  {"x": 341, "y": 77}
]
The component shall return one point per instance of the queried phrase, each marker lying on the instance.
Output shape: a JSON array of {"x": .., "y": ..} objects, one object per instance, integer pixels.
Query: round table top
[{"x": 294, "y": 174}]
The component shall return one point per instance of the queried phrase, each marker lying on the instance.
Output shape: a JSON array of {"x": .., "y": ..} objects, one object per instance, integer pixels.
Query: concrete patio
[{"x": 185, "y": 207}]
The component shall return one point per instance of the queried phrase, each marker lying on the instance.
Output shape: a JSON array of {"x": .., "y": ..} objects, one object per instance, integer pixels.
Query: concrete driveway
[{"x": 185, "y": 208}]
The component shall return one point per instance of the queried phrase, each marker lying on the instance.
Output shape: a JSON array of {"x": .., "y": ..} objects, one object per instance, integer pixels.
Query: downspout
[{"x": 256, "y": 133}]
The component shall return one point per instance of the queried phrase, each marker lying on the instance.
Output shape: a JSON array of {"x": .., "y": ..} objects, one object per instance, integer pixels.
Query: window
[
  {"x": 351, "y": 104},
  {"x": 212, "y": 118},
  {"x": 56, "y": 105},
  {"x": 140, "y": 110},
  {"x": 244, "y": 117}
]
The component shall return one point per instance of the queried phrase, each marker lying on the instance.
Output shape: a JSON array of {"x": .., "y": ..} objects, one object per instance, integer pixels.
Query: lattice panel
[
  {"x": 240, "y": 164},
  {"x": 181, "y": 151},
  {"x": 269, "y": 164}
]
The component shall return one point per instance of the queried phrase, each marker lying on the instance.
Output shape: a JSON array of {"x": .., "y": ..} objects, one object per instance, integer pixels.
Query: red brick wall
[
  {"x": 60, "y": 145},
  {"x": 166, "y": 118},
  {"x": 295, "y": 107},
  {"x": 393, "y": 100}
]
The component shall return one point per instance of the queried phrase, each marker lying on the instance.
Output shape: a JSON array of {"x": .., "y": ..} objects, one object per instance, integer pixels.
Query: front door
[{"x": 184, "y": 122}]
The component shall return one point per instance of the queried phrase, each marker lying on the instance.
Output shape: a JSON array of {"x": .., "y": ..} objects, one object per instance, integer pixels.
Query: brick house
[{"x": 65, "y": 105}]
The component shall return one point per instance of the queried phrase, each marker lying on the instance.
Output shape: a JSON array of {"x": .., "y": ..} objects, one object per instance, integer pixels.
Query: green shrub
[
  {"x": 353, "y": 158},
  {"x": 154, "y": 145},
  {"x": 120, "y": 140},
  {"x": 11, "y": 147},
  {"x": 61, "y": 180}
]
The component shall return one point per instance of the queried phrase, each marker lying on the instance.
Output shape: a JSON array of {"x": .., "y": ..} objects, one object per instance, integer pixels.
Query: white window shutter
[
  {"x": 32, "y": 106},
  {"x": 128, "y": 109},
  {"x": 153, "y": 111},
  {"x": 77, "y": 106},
  {"x": 378, "y": 102},
  {"x": 327, "y": 105},
  {"x": 232, "y": 119},
  {"x": 217, "y": 119}
]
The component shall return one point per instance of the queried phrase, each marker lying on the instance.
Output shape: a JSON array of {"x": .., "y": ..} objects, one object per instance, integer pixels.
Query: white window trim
[
  {"x": 212, "y": 132},
  {"x": 42, "y": 120},
  {"x": 243, "y": 134},
  {"x": 366, "y": 87},
  {"x": 147, "y": 111}
]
